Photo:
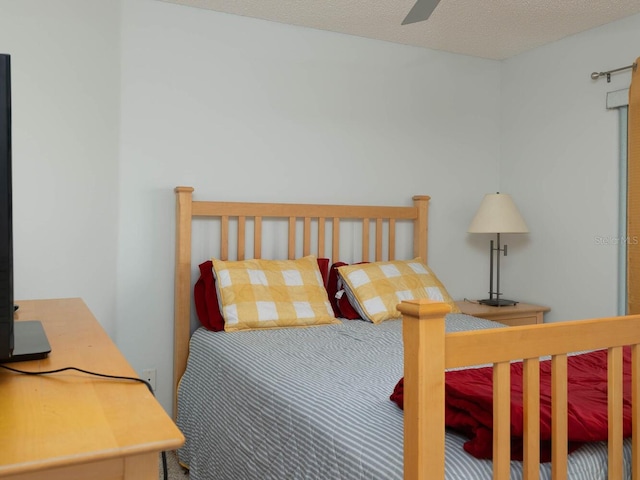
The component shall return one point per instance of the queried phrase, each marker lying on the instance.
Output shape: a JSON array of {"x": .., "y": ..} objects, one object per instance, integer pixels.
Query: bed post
[
  {"x": 421, "y": 227},
  {"x": 424, "y": 362},
  {"x": 182, "y": 291}
]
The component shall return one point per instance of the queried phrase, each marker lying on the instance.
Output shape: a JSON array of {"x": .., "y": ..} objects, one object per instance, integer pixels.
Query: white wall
[
  {"x": 65, "y": 72},
  {"x": 244, "y": 109},
  {"x": 115, "y": 103},
  {"x": 560, "y": 161}
]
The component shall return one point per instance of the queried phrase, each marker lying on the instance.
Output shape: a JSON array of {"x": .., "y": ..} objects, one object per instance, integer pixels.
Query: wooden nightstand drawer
[
  {"x": 519, "y": 314},
  {"x": 525, "y": 320}
]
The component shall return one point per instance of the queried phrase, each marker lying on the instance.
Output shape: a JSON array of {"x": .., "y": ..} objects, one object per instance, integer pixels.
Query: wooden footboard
[{"x": 424, "y": 395}]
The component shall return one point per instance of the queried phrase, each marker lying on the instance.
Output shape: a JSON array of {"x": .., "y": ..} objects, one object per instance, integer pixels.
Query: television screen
[
  {"x": 23, "y": 340},
  {"x": 6, "y": 250}
]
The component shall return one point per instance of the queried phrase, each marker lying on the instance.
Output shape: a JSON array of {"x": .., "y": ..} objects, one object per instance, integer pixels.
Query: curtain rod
[{"x": 597, "y": 75}]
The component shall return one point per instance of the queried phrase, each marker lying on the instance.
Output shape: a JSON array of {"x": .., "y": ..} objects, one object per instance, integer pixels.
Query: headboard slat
[
  {"x": 242, "y": 223},
  {"x": 420, "y": 236},
  {"x": 335, "y": 247},
  {"x": 378, "y": 239},
  {"x": 292, "y": 238},
  {"x": 257, "y": 237},
  {"x": 321, "y": 239},
  {"x": 365, "y": 240},
  {"x": 224, "y": 238},
  {"x": 392, "y": 239},
  {"x": 306, "y": 248}
]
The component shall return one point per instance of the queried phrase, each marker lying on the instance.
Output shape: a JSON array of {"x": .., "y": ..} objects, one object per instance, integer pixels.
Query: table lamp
[{"x": 497, "y": 214}]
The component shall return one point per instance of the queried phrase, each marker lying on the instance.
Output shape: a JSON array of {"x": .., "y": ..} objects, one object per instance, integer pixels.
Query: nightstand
[{"x": 519, "y": 314}]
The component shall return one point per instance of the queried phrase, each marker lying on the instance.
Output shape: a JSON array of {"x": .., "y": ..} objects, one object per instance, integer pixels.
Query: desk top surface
[{"x": 70, "y": 417}]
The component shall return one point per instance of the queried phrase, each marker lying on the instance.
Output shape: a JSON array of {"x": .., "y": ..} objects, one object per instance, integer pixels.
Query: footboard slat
[
  {"x": 614, "y": 391},
  {"x": 531, "y": 401},
  {"x": 559, "y": 450},
  {"x": 635, "y": 411},
  {"x": 501, "y": 420}
]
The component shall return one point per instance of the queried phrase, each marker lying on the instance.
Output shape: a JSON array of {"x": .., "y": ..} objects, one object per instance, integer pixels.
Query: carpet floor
[{"x": 174, "y": 470}]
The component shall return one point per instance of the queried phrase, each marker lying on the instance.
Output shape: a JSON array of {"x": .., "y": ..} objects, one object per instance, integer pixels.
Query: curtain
[{"x": 633, "y": 194}]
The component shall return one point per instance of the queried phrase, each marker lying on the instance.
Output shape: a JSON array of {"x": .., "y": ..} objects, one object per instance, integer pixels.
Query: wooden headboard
[{"x": 323, "y": 220}]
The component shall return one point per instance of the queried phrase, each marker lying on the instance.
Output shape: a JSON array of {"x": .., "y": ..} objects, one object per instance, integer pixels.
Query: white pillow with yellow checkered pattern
[
  {"x": 375, "y": 289},
  {"x": 271, "y": 293}
]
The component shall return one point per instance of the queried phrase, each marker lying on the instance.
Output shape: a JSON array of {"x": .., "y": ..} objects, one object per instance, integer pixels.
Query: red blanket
[{"x": 469, "y": 404}]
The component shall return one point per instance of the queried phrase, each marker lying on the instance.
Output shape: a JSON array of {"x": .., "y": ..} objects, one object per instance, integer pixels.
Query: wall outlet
[{"x": 149, "y": 374}]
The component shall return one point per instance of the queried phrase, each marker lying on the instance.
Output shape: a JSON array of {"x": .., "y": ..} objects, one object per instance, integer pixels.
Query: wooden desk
[
  {"x": 72, "y": 426},
  {"x": 519, "y": 314}
]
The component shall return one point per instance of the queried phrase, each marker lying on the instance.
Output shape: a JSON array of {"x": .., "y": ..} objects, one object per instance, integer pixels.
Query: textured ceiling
[{"x": 494, "y": 29}]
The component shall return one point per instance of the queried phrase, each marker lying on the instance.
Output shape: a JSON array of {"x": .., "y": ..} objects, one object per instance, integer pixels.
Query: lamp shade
[{"x": 498, "y": 214}]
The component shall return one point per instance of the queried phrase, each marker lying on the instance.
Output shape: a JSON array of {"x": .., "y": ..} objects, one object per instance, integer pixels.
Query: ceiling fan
[{"x": 420, "y": 11}]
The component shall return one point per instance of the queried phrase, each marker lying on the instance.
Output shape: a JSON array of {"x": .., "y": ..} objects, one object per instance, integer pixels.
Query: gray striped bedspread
[{"x": 313, "y": 403}]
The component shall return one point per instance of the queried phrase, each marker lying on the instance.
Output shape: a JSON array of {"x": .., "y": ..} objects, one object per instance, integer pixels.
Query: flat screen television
[{"x": 22, "y": 340}]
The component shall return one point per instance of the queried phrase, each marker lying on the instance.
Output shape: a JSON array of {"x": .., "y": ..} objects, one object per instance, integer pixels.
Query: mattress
[{"x": 313, "y": 403}]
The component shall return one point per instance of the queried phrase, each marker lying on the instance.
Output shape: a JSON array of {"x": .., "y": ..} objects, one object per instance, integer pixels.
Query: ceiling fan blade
[{"x": 421, "y": 11}]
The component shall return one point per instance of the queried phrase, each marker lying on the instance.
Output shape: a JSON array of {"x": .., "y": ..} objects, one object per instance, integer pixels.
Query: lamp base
[{"x": 497, "y": 302}]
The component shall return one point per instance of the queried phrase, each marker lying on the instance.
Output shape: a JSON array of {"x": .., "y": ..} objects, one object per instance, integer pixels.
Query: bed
[{"x": 314, "y": 402}]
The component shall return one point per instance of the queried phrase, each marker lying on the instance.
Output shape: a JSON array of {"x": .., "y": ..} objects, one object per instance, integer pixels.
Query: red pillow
[
  {"x": 341, "y": 306},
  {"x": 206, "y": 299},
  {"x": 205, "y": 295},
  {"x": 323, "y": 265}
]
